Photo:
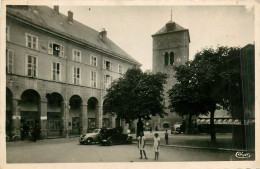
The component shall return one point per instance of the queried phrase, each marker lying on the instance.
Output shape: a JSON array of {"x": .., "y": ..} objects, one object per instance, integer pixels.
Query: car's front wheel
[
  {"x": 110, "y": 142},
  {"x": 89, "y": 141}
]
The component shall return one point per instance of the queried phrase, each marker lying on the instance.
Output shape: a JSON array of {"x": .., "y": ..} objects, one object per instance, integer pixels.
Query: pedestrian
[
  {"x": 141, "y": 145},
  {"x": 156, "y": 146},
  {"x": 36, "y": 132},
  {"x": 166, "y": 137}
]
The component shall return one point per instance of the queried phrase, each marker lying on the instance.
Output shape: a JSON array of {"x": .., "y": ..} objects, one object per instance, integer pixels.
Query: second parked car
[{"x": 115, "y": 136}]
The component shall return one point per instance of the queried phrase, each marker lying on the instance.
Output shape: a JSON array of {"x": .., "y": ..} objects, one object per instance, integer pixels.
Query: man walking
[{"x": 166, "y": 137}]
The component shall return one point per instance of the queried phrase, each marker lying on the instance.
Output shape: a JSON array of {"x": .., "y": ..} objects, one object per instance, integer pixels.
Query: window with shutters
[
  {"x": 31, "y": 66},
  {"x": 10, "y": 60},
  {"x": 31, "y": 41},
  {"x": 76, "y": 55},
  {"x": 93, "y": 79},
  {"x": 93, "y": 61},
  {"x": 56, "y": 71},
  {"x": 76, "y": 75},
  {"x": 107, "y": 81},
  {"x": 56, "y": 49},
  {"x": 107, "y": 65}
]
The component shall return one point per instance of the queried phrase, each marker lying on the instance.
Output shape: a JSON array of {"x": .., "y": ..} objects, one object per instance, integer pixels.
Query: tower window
[
  {"x": 166, "y": 59},
  {"x": 171, "y": 58}
]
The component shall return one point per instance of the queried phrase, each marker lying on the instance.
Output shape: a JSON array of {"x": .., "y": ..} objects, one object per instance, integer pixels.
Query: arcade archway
[
  {"x": 92, "y": 113},
  {"x": 54, "y": 114},
  {"x": 29, "y": 108},
  {"x": 75, "y": 115},
  {"x": 9, "y": 112}
]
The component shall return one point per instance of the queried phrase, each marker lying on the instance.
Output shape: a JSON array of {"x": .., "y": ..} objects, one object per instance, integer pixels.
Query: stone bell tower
[{"x": 170, "y": 47}]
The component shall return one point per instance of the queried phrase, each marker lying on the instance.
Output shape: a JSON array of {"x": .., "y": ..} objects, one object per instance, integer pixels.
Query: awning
[
  {"x": 29, "y": 107},
  {"x": 53, "y": 109}
]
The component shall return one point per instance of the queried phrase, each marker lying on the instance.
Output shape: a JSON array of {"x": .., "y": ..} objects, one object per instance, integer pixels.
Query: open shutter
[
  {"x": 61, "y": 51},
  {"x": 104, "y": 64},
  {"x": 50, "y": 47},
  {"x": 111, "y": 66}
]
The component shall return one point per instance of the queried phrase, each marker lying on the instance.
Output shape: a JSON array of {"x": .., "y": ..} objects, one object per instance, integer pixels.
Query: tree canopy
[
  {"x": 211, "y": 80},
  {"x": 136, "y": 95}
]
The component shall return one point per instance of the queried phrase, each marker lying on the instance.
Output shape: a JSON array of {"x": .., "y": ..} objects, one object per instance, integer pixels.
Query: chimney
[
  {"x": 103, "y": 34},
  {"x": 56, "y": 9},
  {"x": 70, "y": 16}
]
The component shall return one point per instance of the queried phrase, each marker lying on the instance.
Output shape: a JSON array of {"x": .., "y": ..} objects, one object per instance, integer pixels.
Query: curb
[{"x": 205, "y": 148}]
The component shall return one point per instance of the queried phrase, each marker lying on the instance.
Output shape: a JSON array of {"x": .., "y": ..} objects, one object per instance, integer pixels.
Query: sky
[{"x": 131, "y": 27}]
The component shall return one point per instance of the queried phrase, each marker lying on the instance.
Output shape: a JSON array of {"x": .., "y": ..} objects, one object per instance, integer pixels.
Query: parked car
[
  {"x": 115, "y": 136},
  {"x": 176, "y": 129},
  {"x": 91, "y": 138}
]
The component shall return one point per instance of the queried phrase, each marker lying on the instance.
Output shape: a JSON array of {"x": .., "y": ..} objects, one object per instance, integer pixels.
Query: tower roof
[{"x": 171, "y": 27}]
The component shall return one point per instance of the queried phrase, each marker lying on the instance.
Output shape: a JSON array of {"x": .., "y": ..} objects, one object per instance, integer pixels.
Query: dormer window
[{"x": 56, "y": 49}]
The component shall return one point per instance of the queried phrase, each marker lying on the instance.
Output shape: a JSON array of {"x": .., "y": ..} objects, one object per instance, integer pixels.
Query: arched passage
[
  {"x": 75, "y": 115},
  {"x": 55, "y": 111},
  {"x": 92, "y": 113},
  {"x": 29, "y": 108},
  {"x": 9, "y": 112}
]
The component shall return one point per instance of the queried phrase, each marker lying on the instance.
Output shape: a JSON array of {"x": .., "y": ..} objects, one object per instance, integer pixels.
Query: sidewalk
[{"x": 200, "y": 141}]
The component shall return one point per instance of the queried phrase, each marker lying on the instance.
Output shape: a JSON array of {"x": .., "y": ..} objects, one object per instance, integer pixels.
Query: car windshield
[{"x": 96, "y": 130}]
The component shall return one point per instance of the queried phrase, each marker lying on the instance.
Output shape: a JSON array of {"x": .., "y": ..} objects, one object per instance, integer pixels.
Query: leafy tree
[
  {"x": 211, "y": 80},
  {"x": 184, "y": 96},
  {"x": 137, "y": 95}
]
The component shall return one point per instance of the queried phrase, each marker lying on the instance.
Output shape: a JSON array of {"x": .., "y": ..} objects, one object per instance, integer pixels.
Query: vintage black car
[{"x": 115, "y": 136}]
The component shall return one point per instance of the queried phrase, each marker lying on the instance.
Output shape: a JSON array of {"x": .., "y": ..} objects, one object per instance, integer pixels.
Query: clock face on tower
[{"x": 178, "y": 59}]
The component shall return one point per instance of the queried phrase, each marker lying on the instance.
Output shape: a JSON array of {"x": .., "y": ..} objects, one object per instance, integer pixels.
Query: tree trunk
[
  {"x": 212, "y": 128},
  {"x": 188, "y": 131}
]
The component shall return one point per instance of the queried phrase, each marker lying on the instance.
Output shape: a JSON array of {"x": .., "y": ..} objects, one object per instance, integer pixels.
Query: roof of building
[
  {"x": 176, "y": 28},
  {"x": 58, "y": 22}
]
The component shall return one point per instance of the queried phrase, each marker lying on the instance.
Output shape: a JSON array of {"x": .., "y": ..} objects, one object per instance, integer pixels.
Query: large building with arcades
[{"x": 57, "y": 72}]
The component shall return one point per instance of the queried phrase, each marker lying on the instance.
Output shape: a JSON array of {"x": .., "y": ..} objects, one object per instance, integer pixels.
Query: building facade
[
  {"x": 170, "y": 47},
  {"x": 57, "y": 72}
]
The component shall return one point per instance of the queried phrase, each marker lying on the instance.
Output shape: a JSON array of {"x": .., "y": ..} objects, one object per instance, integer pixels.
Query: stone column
[
  {"x": 16, "y": 118},
  {"x": 62, "y": 120},
  {"x": 99, "y": 116},
  {"x": 43, "y": 117},
  {"x": 84, "y": 118}
]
